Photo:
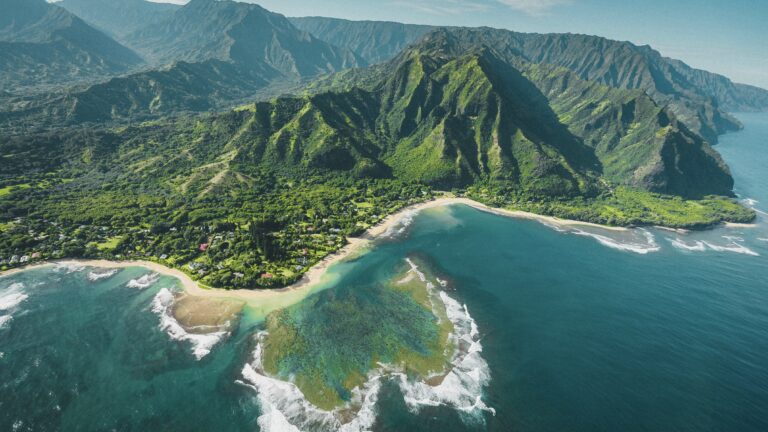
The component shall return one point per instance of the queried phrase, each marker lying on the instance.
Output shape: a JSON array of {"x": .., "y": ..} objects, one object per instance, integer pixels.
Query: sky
[{"x": 729, "y": 37}]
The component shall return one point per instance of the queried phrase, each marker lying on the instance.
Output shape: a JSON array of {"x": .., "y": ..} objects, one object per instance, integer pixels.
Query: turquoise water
[{"x": 582, "y": 330}]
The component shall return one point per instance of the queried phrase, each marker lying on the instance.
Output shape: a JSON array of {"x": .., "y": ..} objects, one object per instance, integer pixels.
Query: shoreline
[{"x": 314, "y": 276}]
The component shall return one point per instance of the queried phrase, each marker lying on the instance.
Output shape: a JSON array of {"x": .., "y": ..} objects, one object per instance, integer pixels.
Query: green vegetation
[
  {"x": 627, "y": 207},
  {"x": 254, "y": 196},
  {"x": 327, "y": 344}
]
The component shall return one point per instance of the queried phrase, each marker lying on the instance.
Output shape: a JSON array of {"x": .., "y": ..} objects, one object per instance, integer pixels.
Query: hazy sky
[{"x": 724, "y": 36}]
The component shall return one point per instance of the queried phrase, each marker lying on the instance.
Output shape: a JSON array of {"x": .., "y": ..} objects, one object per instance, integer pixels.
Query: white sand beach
[{"x": 269, "y": 299}]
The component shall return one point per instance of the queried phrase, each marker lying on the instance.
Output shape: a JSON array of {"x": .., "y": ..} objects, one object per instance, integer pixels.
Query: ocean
[{"x": 577, "y": 329}]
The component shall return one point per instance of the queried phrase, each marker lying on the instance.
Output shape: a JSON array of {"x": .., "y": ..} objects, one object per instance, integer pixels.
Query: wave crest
[
  {"x": 400, "y": 225},
  {"x": 733, "y": 246},
  {"x": 649, "y": 246},
  {"x": 68, "y": 267},
  {"x": 95, "y": 276},
  {"x": 143, "y": 282},
  {"x": 202, "y": 344}
]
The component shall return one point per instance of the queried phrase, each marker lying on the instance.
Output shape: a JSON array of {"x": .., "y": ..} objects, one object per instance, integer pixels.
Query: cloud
[{"x": 534, "y": 7}]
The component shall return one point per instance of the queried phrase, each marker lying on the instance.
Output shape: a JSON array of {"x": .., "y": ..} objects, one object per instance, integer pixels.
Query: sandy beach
[{"x": 313, "y": 278}]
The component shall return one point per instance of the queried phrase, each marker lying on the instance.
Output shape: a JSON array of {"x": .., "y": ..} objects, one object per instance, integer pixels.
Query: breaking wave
[
  {"x": 97, "y": 276},
  {"x": 462, "y": 386},
  {"x": 4, "y": 320},
  {"x": 678, "y": 243},
  {"x": 12, "y": 297},
  {"x": 733, "y": 246},
  {"x": 649, "y": 246},
  {"x": 143, "y": 282},
  {"x": 68, "y": 267},
  {"x": 401, "y": 225},
  {"x": 763, "y": 239},
  {"x": 202, "y": 344},
  {"x": 749, "y": 202},
  {"x": 284, "y": 407}
]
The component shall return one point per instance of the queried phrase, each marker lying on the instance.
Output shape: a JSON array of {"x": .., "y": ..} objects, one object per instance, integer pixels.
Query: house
[
  {"x": 24, "y": 259},
  {"x": 163, "y": 256},
  {"x": 203, "y": 247},
  {"x": 14, "y": 259},
  {"x": 238, "y": 275},
  {"x": 36, "y": 255},
  {"x": 194, "y": 266},
  {"x": 267, "y": 275}
]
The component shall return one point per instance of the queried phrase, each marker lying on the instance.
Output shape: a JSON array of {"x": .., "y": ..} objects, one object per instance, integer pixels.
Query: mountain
[
  {"x": 698, "y": 97},
  {"x": 119, "y": 17},
  {"x": 450, "y": 121},
  {"x": 208, "y": 54},
  {"x": 374, "y": 41},
  {"x": 42, "y": 44},
  {"x": 241, "y": 33}
]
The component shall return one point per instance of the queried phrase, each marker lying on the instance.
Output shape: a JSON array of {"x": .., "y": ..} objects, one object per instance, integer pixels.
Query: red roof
[
  {"x": 267, "y": 276},
  {"x": 203, "y": 246}
]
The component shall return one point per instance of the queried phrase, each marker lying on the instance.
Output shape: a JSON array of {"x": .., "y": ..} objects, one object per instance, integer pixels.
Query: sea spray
[
  {"x": 202, "y": 344},
  {"x": 95, "y": 276},
  {"x": 143, "y": 282}
]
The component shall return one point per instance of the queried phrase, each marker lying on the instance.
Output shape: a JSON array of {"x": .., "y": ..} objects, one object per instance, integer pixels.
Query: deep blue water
[{"x": 578, "y": 336}]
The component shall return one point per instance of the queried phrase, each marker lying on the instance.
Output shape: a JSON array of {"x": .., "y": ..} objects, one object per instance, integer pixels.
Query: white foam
[
  {"x": 284, "y": 407},
  {"x": 555, "y": 227},
  {"x": 202, "y": 344},
  {"x": 763, "y": 239},
  {"x": 97, "y": 276},
  {"x": 12, "y": 296},
  {"x": 144, "y": 282},
  {"x": 697, "y": 246},
  {"x": 640, "y": 248},
  {"x": 401, "y": 225},
  {"x": 463, "y": 386},
  {"x": 732, "y": 247},
  {"x": 750, "y": 201},
  {"x": 68, "y": 267},
  {"x": 5, "y": 320}
]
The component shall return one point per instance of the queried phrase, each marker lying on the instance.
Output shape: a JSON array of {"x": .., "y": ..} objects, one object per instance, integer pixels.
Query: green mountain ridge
[{"x": 699, "y": 98}]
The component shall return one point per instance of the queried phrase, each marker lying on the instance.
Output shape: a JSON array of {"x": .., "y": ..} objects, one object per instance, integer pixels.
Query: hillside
[
  {"x": 208, "y": 54},
  {"x": 254, "y": 196},
  {"x": 698, "y": 97},
  {"x": 42, "y": 45},
  {"x": 241, "y": 33}
]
